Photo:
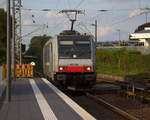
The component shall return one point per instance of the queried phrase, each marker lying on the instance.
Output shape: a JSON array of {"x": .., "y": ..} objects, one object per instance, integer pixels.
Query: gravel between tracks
[
  {"x": 95, "y": 109},
  {"x": 130, "y": 105}
]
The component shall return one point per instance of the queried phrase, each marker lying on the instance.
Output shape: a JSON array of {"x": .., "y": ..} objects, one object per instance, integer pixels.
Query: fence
[{"x": 22, "y": 70}]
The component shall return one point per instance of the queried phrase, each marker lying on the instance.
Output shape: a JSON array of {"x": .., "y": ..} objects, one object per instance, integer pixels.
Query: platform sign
[{"x": 22, "y": 70}]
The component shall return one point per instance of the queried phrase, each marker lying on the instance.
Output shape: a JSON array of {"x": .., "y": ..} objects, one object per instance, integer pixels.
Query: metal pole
[
  {"x": 8, "y": 88},
  {"x": 96, "y": 33},
  {"x": 119, "y": 38},
  {"x": 118, "y": 35},
  {"x": 146, "y": 16},
  {"x": 20, "y": 38},
  {"x": 13, "y": 39}
]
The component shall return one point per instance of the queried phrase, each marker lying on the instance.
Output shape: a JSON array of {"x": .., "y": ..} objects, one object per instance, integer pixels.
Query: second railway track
[
  {"x": 99, "y": 111},
  {"x": 112, "y": 107}
]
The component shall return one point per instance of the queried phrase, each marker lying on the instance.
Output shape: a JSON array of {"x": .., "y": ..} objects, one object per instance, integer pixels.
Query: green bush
[{"x": 122, "y": 62}]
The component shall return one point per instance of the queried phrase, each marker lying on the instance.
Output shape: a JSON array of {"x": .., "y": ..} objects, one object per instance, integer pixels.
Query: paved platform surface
[{"x": 38, "y": 99}]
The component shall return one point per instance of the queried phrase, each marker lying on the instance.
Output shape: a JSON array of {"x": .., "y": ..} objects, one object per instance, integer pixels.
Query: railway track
[
  {"x": 111, "y": 107},
  {"x": 115, "y": 101},
  {"x": 99, "y": 111}
]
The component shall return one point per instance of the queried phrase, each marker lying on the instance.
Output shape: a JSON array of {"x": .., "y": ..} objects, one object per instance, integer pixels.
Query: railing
[{"x": 22, "y": 70}]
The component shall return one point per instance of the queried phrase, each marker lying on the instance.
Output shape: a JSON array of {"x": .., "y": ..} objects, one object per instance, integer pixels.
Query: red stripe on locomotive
[{"x": 75, "y": 69}]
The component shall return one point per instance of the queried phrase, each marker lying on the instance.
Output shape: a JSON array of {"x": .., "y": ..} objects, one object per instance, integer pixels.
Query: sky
[{"x": 123, "y": 15}]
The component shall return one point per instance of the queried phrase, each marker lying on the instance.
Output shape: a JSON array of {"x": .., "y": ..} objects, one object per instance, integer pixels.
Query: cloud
[
  {"x": 27, "y": 23},
  {"x": 104, "y": 30},
  {"x": 135, "y": 13},
  {"x": 52, "y": 14}
]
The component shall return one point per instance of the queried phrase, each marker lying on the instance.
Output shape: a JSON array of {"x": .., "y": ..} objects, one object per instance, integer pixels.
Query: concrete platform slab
[{"x": 38, "y": 99}]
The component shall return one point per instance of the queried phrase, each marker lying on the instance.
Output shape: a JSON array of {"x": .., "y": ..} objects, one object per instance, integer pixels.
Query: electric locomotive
[{"x": 69, "y": 59}]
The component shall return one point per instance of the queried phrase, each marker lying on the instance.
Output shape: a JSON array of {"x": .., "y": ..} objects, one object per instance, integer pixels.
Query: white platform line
[
  {"x": 84, "y": 114},
  {"x": 44, "y": 106}
]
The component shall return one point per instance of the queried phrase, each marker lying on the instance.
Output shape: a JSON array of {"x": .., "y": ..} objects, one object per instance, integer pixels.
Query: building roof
[
  {"x": 143, "y": 31},
  {"x": 142, "y": 27}
]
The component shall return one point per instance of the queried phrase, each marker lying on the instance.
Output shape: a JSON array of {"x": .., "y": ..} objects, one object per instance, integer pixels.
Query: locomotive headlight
[
  {"x": 74, "y": 56},
  {"x": 60, "y": 68},
  {"x": 88, "y": 68}
]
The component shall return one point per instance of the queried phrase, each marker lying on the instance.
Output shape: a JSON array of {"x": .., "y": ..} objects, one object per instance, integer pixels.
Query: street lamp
[
  {"x": 46, "y": 10},
  {"x": 102, "y": 10},
  {"x": 13, "y": 40},
  {"x": 119, "y": 36},
  {"x": 95, "y": 25}
]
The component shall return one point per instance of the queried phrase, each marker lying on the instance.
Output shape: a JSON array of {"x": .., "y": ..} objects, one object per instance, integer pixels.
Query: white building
[{"x": 142, "y": 34}]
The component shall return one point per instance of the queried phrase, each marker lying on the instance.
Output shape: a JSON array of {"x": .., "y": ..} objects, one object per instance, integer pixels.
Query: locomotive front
[{"x": 76, "y": 60}]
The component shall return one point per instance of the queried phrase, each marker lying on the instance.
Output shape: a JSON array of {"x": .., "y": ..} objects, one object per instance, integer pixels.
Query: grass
[{"x": 121, "y": 62}]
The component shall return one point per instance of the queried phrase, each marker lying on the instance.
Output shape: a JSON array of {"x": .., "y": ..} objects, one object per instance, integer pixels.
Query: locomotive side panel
[
  {"x": 93, "y": 54},
  {"x": 48, "y": 59},
  {"x": 54, "y": 53}
]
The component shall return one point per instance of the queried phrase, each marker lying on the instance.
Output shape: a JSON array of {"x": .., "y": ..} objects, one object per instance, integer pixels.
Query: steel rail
[{"x": 112, "y": 108}]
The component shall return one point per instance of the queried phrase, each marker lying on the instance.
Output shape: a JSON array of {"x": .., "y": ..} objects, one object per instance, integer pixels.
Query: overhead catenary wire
[
  {"x": 80, "y": 27},
  {"x": 65, "y": 4},
  {"x": 57, "y": 3},
  {"x": 115, "y": 23},
  {"x": 97, "y": 15},
  {"x": 123, "y": 20},
  {"x": 35, "y": 30},
  {"x": 39, "y": 28},
  {"x": 79, "y": 4},
  {"x": 85, "y": 27},
  {"x": 52, "y": 9},
  {"x": 69, "y": 4}
]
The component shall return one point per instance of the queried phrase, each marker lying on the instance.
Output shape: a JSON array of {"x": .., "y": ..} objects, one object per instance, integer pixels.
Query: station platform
[{"x": 38, "y": 99}]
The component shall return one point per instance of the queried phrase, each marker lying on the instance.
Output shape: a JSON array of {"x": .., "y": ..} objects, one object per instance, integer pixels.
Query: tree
[
  {"x": 3, "y": 35},
  {"x": 36, "y": 49}
]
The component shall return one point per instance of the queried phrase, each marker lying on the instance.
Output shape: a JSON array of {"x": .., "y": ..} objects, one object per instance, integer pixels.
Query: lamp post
[
  {"x": 102, "y": 10},
  {"x": 95, "y": 25},
  {"x": 13, "y": 39},
  {"x": 20, "y": 34},
  {"x": 119, "y": 36},
  {"x": 8, "y": 87}
]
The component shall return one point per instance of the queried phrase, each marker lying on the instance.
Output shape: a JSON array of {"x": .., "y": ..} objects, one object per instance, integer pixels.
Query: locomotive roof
[{"x": 71, "y": 33}]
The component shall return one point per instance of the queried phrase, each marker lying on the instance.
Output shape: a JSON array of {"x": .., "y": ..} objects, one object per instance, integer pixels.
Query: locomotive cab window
[
  {"x": 83, "y": 45},
  {"x": 66, "y": 42},
  {"x": 79, "y": 48}
]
